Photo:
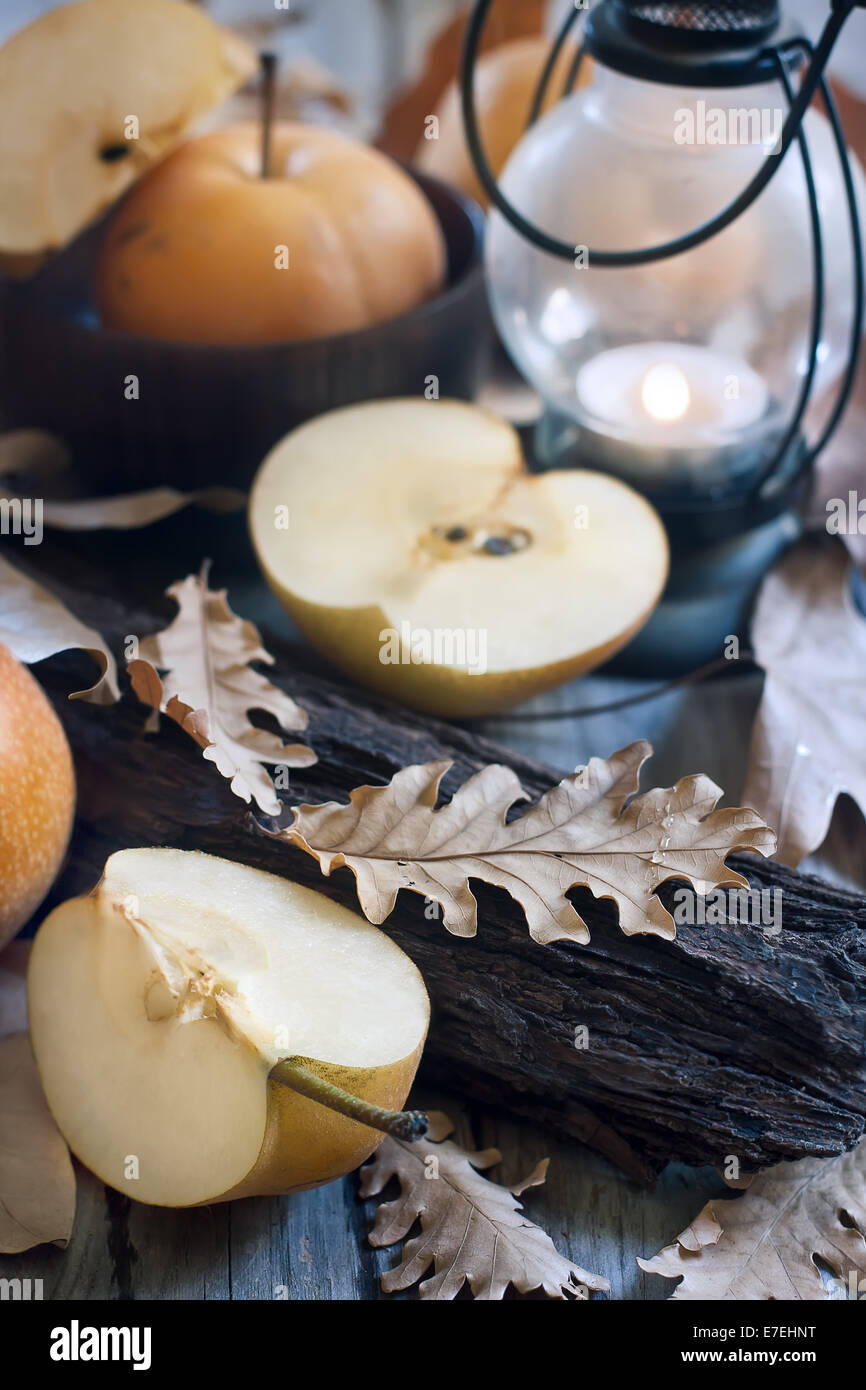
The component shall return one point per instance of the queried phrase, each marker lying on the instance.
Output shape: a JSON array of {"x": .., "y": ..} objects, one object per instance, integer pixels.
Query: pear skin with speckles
[{"x": 37, "y": 795}]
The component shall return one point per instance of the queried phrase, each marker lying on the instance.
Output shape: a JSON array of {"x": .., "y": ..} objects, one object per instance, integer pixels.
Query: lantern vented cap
[
  {"x": 735, "y": 21},
  {"x": 716, "y": 40}
]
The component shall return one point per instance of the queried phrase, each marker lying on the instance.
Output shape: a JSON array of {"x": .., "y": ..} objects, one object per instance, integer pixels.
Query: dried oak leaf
[
  {"x": 33, "y": 463},
  {"x": 472, "y": 1229},
  {"x": 807, "y": 742},
  {"x": 208, "y": 688},
  {"x": 34, "y": 624},
  {"x": 131, "y": 510},
  {"x": 37, "y": 1183},
  {"x": 764, "y": 1244},
  {"x": 840, "y": 476},
  {"x": 581, "y": 832}
]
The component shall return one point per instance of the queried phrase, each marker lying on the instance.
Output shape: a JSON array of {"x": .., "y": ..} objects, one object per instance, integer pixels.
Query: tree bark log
[{"x": 725, "y": 1042}]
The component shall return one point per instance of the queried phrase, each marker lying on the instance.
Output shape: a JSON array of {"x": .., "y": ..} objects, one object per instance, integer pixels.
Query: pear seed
[{"x": 498, "y": 545}]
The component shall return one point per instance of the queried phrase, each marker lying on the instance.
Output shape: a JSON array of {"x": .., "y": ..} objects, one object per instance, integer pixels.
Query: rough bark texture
[{"x": 724, "y": 1042}]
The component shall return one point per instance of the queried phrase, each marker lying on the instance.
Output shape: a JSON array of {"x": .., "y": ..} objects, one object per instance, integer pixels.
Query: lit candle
[
  {"x": 680, "y": 391},
  {"x": 669, "y": 407},
  {"x": 665, "y": 393}
]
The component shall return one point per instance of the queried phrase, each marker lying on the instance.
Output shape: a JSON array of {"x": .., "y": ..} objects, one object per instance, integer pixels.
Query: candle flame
[{"x": 665, "y": 392}]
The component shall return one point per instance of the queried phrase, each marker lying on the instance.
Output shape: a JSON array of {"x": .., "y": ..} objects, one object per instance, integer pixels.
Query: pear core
[{"x": 160, "y": 1003}]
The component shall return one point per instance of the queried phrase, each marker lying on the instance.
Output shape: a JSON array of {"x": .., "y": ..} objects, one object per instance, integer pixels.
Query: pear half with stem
[
  {"x": 205, "y": 1031},
  {"x": 414, "y": 549},
  {"x": 91, "y": 94}
]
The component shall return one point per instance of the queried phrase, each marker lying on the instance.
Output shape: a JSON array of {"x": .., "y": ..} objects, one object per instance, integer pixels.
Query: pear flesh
[
  {"x": 160, "y": 1003},
  {"x": 91, "y": 94},
  {"x": 414, "y": 527}
]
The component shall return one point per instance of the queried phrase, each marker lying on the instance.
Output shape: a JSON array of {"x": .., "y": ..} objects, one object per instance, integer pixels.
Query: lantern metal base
[{"x": 708, "y": 600}]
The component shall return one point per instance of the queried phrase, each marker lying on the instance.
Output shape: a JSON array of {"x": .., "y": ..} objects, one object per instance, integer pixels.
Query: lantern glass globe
[{"x": 723, "y": 328}]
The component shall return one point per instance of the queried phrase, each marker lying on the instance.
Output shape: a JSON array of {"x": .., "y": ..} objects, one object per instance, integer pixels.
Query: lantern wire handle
[
  {"x": 574, "y": 70},
  {"x": 613, "y": 259},
  {"x": 805, "y": 395},
  {"x": 548, "y": 69},
  {"x": 746, "y": 661},
  {"x": 859, "y": 306},
  {"x": 855, "y": 349}
]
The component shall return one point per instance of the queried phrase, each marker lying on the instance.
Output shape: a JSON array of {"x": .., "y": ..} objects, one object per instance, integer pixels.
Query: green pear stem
[
  {"x": 268, "y": 63},
  {"x": 293, "y": 1072}
]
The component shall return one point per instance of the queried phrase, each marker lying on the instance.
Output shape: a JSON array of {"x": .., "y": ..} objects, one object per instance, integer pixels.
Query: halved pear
[
  {"x": 160, "y": 1004},
  {"x": 410, "y": 544},
  {"x": 90, "y": 95}
]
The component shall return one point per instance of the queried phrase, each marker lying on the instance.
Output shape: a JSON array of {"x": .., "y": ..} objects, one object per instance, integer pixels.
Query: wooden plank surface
[{"x": 313, "y": 1246}]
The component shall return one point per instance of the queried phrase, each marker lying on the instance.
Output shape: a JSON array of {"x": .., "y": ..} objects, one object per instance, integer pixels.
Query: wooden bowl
[{"x": 209, "y": 414}]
